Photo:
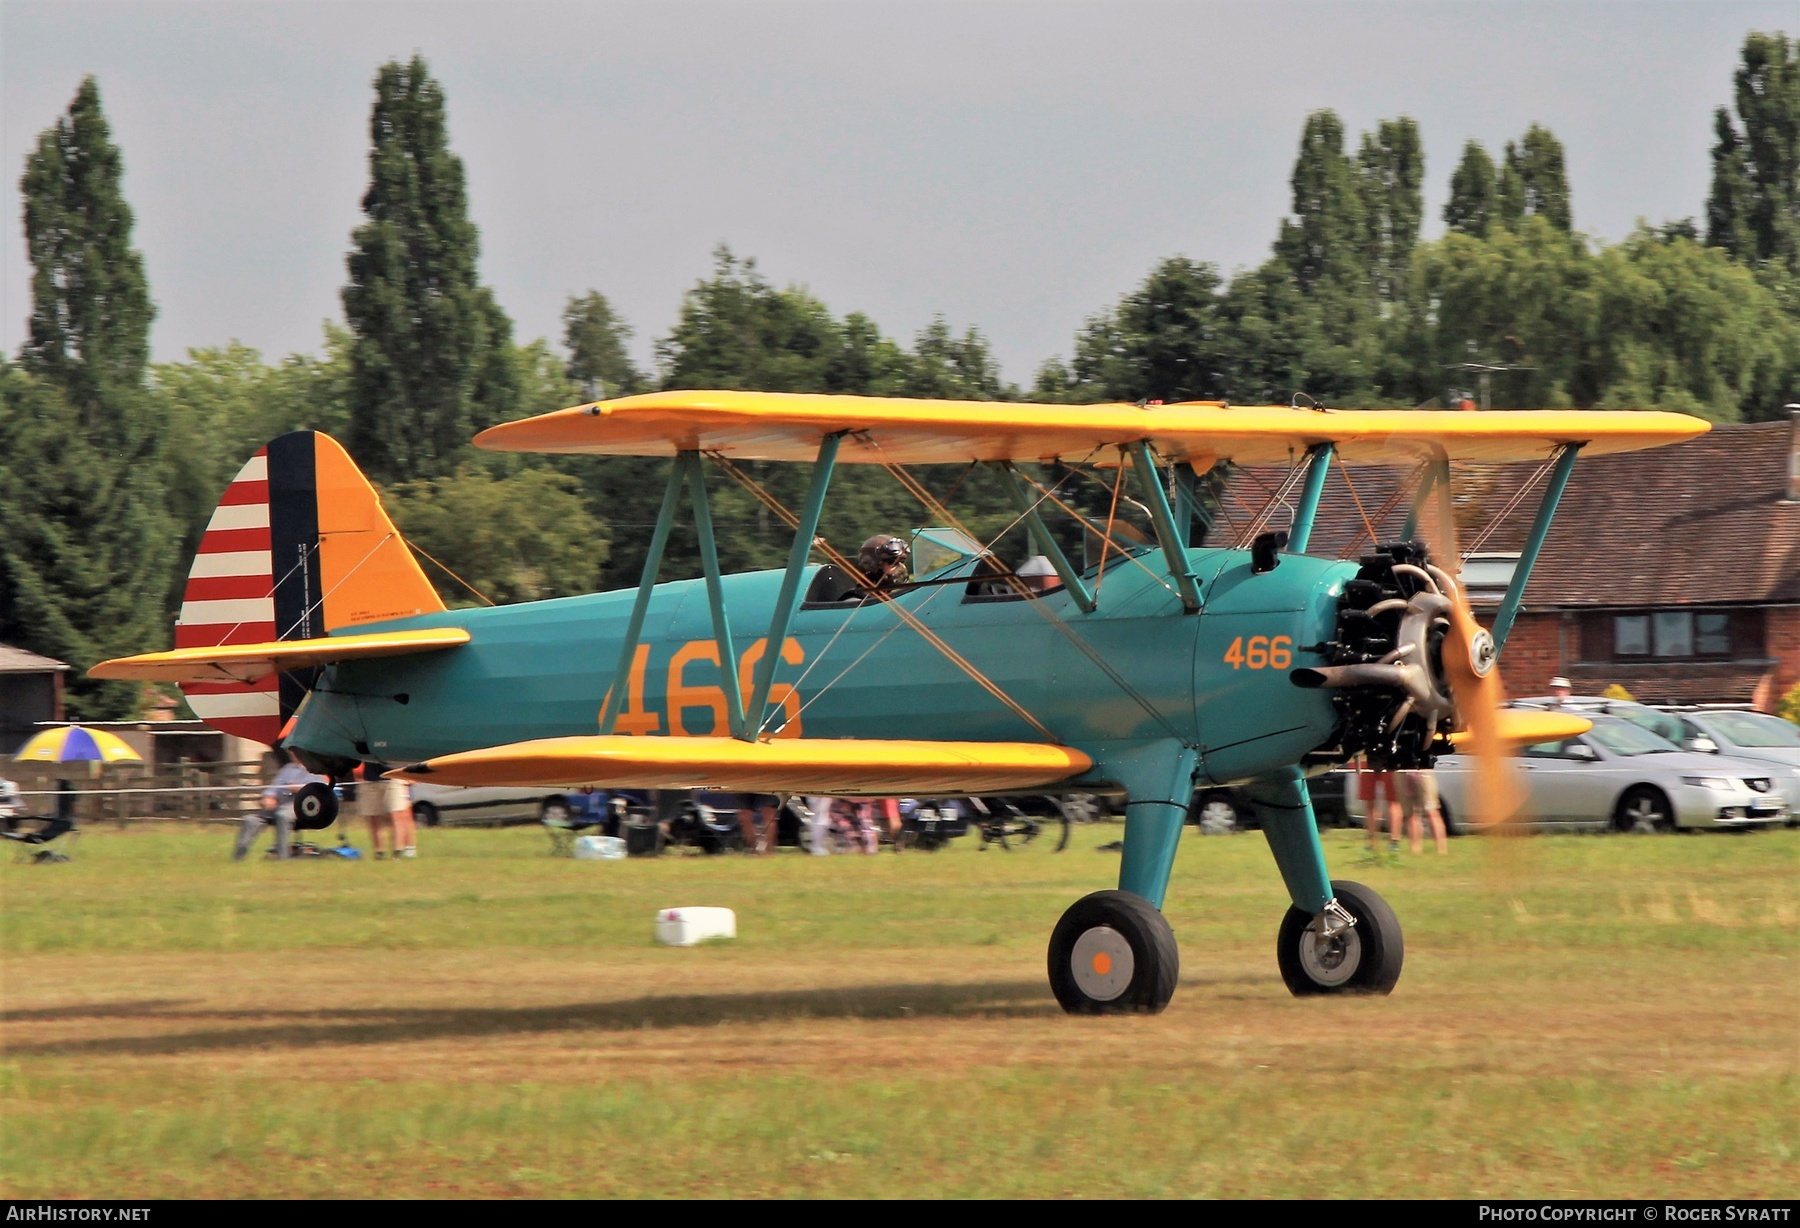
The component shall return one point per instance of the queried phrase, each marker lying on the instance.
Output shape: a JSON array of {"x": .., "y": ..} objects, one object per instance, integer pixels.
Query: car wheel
[
  {"x": 1451, "y": 826},
  {"x": 1365, "y": 958},
  {"x": 1644, "y": 809},
  {"x": 1215, "y": 815},
  {"x": 426, "y": 815},
  {"x": 554, "y": 810}
]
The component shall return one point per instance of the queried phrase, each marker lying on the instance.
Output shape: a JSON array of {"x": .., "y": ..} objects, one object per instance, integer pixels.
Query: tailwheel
[
  {"x": 1112, "y": 953},
  {"x": 1354, "y": 946}
]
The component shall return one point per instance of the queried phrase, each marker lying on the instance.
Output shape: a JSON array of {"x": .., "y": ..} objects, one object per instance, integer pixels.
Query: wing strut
[
  {"x": 804, "y": 532},
  {"x": 634, "y": 629},
  {"x": 1041, "y": 539},
  {"x": 1318, "y": 465},
  {"x": 1540, "y": 529},
  {"x": 1174, "y": 541}
]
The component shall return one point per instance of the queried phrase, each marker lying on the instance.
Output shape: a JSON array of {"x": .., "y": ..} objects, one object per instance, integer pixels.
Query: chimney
[{"x": 1793, "y": 482}]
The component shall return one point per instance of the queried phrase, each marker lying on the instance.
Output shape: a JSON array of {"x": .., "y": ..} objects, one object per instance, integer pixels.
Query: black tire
[
  {"x": 1451, "y": 827},
  {"x": 553, "y": 809},
  {"x": 1364, "y": 959},
  {"x": 426, "y": 815},
  {"x": 315, "y": 807},
  {"x": 1216, "y": 808},
  {"x": 1644, "y": 809},
  {"x": 1106, "y": 929}
]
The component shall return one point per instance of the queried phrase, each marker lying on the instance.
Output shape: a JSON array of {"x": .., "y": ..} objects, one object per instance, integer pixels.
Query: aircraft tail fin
[{"x": 299, "y": 547}]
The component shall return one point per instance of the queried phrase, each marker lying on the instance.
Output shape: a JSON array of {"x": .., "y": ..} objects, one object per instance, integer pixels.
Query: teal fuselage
[{"x": 1215, "y": 681}]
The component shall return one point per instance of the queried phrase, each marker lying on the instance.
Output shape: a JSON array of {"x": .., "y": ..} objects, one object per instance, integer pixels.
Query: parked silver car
[
  {"x": 1619, "y": 776},
  {"x": 1740, "y": 734},
  {"x": 1747, "y": 735},
  {"x": 484, "y": 807}
]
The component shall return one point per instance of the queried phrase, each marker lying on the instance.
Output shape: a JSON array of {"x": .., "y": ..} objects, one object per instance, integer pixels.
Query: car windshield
[
  {"x": 1661, "y": 724},
  {"x": 1624, "y": 738},
  {"x": 1754, "y": 729}
]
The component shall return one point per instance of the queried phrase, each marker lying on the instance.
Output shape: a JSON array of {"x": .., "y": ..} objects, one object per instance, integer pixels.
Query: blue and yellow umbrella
[{"x": 76, "y": 743}]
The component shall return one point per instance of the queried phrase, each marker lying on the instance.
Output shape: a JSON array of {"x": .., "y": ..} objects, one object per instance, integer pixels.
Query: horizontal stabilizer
[
  {"x": 247, "y": 662},
  {"x": 784, "y": 426},
  {"x": 1526, "y": 727},
  {"x": 849, "y": 766}
]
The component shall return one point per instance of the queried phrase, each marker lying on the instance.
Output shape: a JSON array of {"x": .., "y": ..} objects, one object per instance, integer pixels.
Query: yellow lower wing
[
  {"x": 1527, "y": 727},
  {"x": 849, "y": 766},
  {"x": 246, "y": 662}
]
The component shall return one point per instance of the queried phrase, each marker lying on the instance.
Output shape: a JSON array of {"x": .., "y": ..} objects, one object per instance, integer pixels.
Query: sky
[{"x": 1015, "y": 165}]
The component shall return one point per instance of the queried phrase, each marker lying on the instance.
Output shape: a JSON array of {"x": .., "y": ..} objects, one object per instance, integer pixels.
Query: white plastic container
[
  {"x": 686, "y": 927},
  {"x": 599, "y": 848}
]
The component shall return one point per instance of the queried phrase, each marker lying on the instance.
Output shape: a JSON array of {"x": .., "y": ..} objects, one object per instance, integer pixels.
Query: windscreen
[
  {"x": 1754, "y": 729},
  {"x": 1624, "y": 738}
]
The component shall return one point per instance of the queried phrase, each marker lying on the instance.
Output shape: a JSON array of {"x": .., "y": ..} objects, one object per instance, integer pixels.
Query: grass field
[{"x": 1624, "y": 1022}]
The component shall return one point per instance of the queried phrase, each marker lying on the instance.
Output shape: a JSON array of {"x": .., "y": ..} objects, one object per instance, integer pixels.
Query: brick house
[
  {"x": 1674, "y": 572},
  {"x": 31, "y": 690}
]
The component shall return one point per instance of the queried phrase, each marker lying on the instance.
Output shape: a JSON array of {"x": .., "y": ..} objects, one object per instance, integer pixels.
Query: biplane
[{"x": 1147, "y": 667}]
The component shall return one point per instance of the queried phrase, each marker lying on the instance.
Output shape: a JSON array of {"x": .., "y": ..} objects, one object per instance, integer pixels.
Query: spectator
[
  {"x": 277, "y": 808},
  {"x": 1378, "y": 793},
  {"x": 818, "y": 824},
  {"x": 1420, "y": 793},
  {"x": 387, "y": 807}
]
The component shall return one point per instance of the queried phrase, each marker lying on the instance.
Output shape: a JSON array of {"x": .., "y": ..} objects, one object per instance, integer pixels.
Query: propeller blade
[{"x": 1471, "y": 669}]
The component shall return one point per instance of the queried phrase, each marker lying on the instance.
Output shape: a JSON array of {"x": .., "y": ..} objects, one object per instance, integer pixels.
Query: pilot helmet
[
  {"x": 885, "y": 549},
  {"x": 1036, "y": 565}
]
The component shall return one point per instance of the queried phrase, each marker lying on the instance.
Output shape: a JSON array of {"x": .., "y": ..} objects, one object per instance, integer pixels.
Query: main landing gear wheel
[
  {"x": 1362, "y": 958},
  {"x": 1112, "y": 953}
]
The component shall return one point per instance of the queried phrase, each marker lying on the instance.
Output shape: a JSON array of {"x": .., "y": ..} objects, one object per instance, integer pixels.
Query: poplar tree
[
  {"x": 90, "y": 304},
  {"x": 1473, "y": 205},
  {"x": 431, "y": 361},
  {"x": 87, "y": 546},
  {"x": 1753, "y": 211},
  {"x": 1324, "y": 239},
  {"x": 1391, "y": 165},
  {"x": 595, "y": 336},
  {"x": 1534, "y": 182}
]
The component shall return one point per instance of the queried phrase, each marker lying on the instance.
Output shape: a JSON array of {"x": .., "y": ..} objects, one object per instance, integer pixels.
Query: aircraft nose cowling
[{"x": 1384, "y": 661}]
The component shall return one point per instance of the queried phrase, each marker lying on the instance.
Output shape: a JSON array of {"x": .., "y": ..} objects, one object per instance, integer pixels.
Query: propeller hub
[{"x": 1482, "y": 652}]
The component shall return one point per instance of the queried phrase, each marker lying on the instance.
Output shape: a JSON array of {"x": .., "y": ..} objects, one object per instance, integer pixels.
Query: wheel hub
[
  {"x": 1102, "y": 963},
  {"x": 1330, "y": 959}
]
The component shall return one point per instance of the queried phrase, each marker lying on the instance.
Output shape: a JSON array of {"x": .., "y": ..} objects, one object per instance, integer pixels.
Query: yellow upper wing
[
  {"x": 247, "y": 662},
  {"x": 789, "y": 426},
  {"x": 849, "y": 766}
]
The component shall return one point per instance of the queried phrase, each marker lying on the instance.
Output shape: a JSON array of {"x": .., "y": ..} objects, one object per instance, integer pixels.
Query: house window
[
  {"x": 1712, "y": 635},
  {"x": 1686, "y": 634},
  {"x": 1631, "y": 635},
  {"x": 1673, "y": 633}
]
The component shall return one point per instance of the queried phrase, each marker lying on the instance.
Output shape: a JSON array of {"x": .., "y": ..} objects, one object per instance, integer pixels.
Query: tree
[
  {"x": 90, "y": 303},
  {"x": 1165, "y": 341},
  {"x": 947, "y": 367},
  {"x": 1391, "y": 166},
  {"x": 86, "y": 551},
  {"x": 1325, "y": 237},
  {"x": 595, "y": 336},
  {"x": 521, "y": 537},
  {"x": 1754, "y": 208},
  {"x": 431, "y": 363},
  {"x": 1473, "y": 205},
  {"x": 1533, "y": 181}
]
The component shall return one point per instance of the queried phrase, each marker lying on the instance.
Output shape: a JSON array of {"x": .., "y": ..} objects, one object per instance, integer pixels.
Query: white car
[{"x": 485, "y": 807}]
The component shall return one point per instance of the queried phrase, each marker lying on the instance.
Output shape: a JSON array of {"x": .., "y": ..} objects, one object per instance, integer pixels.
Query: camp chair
[
  {"x": 41, "y": 846},
  {"x": 579, "y": 813}
]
